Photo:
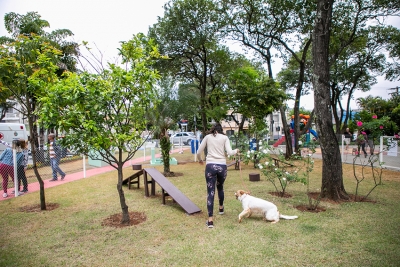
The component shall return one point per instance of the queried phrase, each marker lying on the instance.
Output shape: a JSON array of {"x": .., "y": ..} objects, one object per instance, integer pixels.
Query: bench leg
[
  {"x": 146, "y": 187},
  {"x": 163, "y": 196},
  {"x": 153, "y": 187}
]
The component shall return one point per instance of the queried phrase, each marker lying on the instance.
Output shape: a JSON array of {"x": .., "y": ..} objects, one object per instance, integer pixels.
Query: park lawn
[{"x": 346, "y": 234}]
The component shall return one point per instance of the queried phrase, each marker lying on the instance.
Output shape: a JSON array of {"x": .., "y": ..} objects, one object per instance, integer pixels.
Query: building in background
[{"x": 274, "y": 121}]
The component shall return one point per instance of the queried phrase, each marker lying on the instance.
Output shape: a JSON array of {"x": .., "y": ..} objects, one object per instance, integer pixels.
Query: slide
[
  {"x": 280, "y": 141},
  {"x": 313, "y": 133}
]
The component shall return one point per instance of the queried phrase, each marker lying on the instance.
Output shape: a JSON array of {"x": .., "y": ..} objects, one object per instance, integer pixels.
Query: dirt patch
[
  {"x": 318, "y": 208},
  {"x": 353, "y": 198},
  {"x": 115, "y": 220},
  {"x": 112, "y": 221},
  {"x": 307, "y": 208},
  {"x": 279, "y": 194},
  {"x": 36, "y": 207},
  {"x": 172, "y": 174}
]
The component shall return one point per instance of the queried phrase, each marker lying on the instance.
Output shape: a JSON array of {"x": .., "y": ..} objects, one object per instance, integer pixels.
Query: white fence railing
[{"x": 389, "y": 152}]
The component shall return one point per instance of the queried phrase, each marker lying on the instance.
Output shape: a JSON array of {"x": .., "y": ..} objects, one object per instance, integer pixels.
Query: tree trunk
[
  {"x": 332, "y": 175},
  {"x": 165, "y": 145},
  {"x": 125, "y": 214},
  {"x": 286, "y": 130},
  {"x": 33, "y": 139}
]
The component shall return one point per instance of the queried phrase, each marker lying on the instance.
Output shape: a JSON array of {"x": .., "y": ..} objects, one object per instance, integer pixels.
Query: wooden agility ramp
[{"x": 168, "y": 189}]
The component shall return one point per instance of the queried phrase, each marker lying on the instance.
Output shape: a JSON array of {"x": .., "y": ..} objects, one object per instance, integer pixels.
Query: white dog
[{"x": 252, "y": 204}]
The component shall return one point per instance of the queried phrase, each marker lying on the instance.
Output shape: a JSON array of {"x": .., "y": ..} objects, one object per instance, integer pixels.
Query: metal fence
[
  {"x": 69, "y": 163},
  {"x": 387, "y": 149}
]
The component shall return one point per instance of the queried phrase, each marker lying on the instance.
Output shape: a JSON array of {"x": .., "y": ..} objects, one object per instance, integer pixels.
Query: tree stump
[{"x": 254, "y": 177}]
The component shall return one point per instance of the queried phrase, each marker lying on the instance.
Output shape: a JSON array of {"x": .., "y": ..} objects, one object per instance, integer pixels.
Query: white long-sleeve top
[{"x": 216, "y": 147}]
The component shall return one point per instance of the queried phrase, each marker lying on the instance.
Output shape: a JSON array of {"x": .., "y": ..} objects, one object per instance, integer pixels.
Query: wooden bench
[
  {"x": 236, "y": 163},
  {"x": 277, "y": 161},
  {"x": 168, "y": 189},
  {"x": 132, "y": 179}
]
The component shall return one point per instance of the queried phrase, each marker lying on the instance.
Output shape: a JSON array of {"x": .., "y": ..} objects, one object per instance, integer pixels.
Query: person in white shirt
[{"x": 217, "y": 144}]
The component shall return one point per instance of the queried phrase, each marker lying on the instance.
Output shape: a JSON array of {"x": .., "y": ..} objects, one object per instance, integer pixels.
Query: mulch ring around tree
[
  {"x": 112, "y": 221},
  {"x": 352, "y": 198},
  {"x": 36, "y": 207},
  {"x": 302, "y": 207},
  {"x": 318, "y": 208},
  {"x": 115, "y": 220},
  {"x": 172, "y": 174}
]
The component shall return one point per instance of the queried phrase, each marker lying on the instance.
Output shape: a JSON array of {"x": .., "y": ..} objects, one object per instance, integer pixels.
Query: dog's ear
[{"x": 242, "y": 192}]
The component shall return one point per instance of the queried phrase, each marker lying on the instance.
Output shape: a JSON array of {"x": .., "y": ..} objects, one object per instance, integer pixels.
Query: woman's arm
[
  {"x": 201, "y": 148},
  {"x": 229, "y": 149}
]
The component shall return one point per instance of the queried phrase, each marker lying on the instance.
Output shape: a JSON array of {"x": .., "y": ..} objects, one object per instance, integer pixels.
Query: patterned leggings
[{"x": 215, "y": 175}]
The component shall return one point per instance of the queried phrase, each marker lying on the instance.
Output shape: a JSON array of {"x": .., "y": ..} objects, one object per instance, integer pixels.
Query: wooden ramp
[
  {"x": 168, "y": 189},
  {"x": 132, "y": 179}
]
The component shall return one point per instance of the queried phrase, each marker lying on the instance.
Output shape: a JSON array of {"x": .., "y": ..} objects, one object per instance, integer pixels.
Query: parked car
[
  {"x": 184, "y": 137},
  {"x": 147, "y": 137}
]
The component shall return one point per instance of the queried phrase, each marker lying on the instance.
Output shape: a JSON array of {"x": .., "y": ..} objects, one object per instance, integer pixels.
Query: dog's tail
[{"x": 286, "y": 217}]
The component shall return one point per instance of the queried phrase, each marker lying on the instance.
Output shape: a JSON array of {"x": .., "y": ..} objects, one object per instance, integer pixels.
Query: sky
[{"x": 104, "y": 23}]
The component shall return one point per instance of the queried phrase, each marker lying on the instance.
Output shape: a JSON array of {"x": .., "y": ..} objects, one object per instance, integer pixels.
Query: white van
[{"x": 12, "y": 131}]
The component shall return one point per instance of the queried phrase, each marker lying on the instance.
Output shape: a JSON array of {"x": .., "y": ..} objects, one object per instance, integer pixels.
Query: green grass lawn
[{"x": 347, "y": 234}]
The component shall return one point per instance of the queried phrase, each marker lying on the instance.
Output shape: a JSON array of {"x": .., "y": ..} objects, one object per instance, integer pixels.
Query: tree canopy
[{"x": 104, "y": 114}]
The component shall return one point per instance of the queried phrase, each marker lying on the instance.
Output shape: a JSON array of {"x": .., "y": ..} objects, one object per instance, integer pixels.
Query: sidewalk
[{"x": 33, "y": 187}]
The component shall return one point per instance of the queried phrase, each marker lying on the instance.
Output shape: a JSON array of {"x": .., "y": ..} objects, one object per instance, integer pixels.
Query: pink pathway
[{"x": 33, "y": 187}]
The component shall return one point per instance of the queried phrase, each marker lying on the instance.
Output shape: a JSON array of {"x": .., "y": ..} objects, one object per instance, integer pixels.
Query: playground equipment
[
  {"x": 159, "y": 161},
  {"x": 303, "y": 122},
  {"x": 152, "y": 177}
]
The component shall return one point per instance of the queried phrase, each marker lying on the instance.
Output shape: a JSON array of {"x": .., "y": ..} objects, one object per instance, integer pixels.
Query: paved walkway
[{"x": 33, "y": 187}]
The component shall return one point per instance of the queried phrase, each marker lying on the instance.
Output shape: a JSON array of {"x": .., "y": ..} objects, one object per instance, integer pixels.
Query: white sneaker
[{"x": 5, "y": 195}]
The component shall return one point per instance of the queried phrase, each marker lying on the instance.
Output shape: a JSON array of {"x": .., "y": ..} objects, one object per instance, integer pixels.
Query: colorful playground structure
[{"x": 303, "y": 122}]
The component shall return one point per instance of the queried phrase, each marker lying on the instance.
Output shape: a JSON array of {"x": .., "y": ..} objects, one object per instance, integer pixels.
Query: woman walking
[{"x": 216, "y": 143}]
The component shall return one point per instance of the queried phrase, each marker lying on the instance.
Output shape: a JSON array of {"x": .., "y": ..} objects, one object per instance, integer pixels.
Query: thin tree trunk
[
  {"x": 286, "y": 130},
  {"x": 33, "y": 139},
  {"x": 124, "y": 207},
  {"x": 332, "y": 175}
]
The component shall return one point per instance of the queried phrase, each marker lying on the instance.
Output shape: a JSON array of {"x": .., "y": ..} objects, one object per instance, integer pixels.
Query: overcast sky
[{"x": 107, "y": 22}]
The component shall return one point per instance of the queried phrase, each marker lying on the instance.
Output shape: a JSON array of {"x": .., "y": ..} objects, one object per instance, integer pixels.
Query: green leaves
[
  {"x": 106, "y": 111},
  {"x": 253, "y": 93}
]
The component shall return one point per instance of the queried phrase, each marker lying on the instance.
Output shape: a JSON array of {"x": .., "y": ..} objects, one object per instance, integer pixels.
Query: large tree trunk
[{"x": 332, "y": 177}]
